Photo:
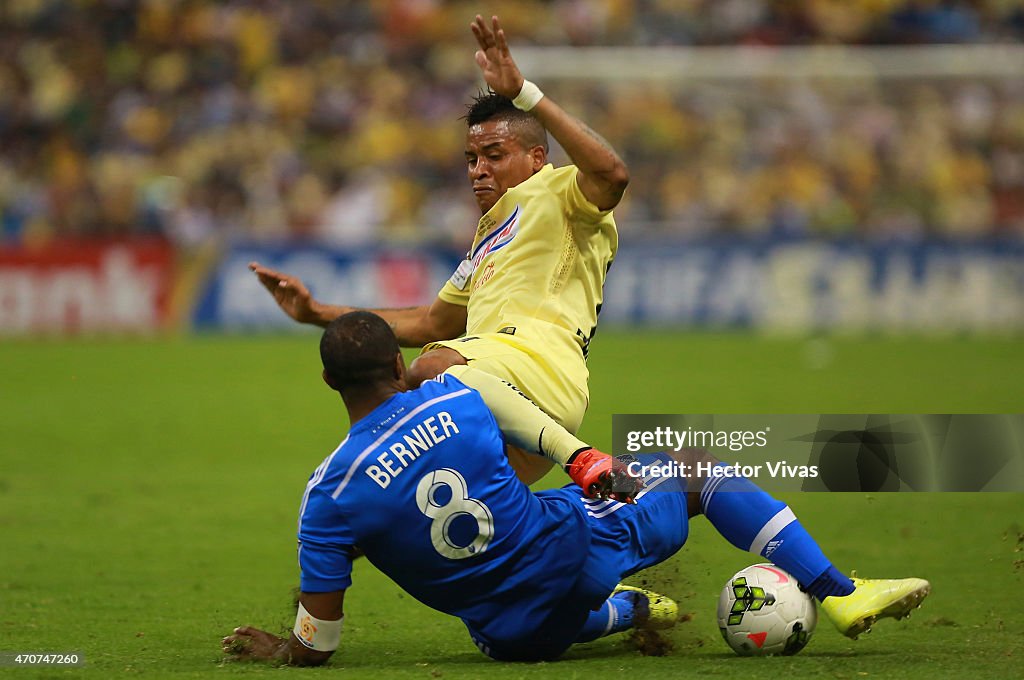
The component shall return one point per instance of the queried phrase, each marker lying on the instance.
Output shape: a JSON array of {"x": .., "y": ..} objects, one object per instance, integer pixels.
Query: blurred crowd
[
  {"x": 889, "y": 160},
  {"x": 270, "y": 119}
]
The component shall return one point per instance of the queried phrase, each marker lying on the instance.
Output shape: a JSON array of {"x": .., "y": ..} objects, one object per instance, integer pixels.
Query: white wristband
[
  {"x": 528, "y": 96},
  {"x": 323, "y": 636}
]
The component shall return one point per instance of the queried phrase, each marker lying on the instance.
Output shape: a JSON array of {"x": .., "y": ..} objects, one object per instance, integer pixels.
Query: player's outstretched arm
[
  {"x": 414, "y": 326},
  {"x": 603, "y": 175},
  {"x": 526, "y": 426},
  {"x": 320, "y": 635}
]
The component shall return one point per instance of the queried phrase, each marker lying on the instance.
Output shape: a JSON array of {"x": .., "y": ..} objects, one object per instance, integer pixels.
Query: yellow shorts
[{"x": 560, "y": 392}]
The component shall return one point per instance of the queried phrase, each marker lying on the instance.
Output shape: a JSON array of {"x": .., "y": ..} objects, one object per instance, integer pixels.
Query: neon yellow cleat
[
  {"x": 653, "y": 610},
  {"x": 872, "y": 600}
]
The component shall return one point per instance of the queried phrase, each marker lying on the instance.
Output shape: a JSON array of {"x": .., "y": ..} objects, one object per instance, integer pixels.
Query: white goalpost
[{"x": 674, "y": 64}]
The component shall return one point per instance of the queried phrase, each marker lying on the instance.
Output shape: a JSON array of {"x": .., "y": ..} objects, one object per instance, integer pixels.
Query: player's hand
[
  {"x": 289, "y": 292},
  {"x": 252, "y": 644},
  {"x": 603, "y": 476},
  {"x": 494, "y": 59}
]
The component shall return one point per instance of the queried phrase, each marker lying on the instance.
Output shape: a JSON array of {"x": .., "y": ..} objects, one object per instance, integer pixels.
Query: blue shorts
[{"x": 624, "y": 539}]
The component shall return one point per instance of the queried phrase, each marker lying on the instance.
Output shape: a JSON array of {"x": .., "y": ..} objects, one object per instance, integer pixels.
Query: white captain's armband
[
  {"x": 461, "y": 276},
  {"x": 323, "y": 636}
]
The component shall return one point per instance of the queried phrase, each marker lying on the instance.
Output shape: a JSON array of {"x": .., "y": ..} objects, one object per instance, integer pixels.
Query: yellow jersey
[{"x": 536, "y": 269}]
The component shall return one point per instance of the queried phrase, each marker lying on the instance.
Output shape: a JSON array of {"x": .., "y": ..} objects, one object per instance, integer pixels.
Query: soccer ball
[{"x": 762, "y": 611}]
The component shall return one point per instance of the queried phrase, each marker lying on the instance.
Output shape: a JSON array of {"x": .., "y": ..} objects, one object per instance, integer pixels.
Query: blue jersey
[{"x": 422, "y": 485}]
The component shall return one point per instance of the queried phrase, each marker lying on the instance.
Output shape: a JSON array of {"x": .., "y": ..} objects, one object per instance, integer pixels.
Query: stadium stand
[{"x": 267, "y": 120}]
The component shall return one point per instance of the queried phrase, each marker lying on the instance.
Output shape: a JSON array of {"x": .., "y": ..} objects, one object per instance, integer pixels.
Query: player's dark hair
[
  {"x": 358, "y": 349},
  {"x": 493, "y": 106}
]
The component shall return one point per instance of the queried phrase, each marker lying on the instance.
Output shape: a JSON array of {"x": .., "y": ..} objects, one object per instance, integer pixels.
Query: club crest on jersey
[{"x": 497, "y": 239}]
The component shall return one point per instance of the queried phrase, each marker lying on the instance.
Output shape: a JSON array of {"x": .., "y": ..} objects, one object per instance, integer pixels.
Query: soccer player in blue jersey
[{"x": 421, "y": 486}]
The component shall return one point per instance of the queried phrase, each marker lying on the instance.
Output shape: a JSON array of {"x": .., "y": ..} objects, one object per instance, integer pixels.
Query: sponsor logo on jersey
[
  {"x": 484, "y": 277},
  {"x": 497, "y": 239}
]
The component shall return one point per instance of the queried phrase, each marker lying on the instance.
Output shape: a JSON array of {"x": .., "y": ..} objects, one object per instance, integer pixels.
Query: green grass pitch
[{"x": 148, "y": 493}]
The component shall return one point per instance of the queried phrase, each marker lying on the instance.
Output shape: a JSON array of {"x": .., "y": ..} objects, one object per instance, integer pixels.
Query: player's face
[{"x": 496, "y": 161}]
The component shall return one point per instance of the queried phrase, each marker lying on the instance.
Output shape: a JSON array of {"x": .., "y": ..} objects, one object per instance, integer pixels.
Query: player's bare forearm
[
  {"x": 406, "y": 322},
  {"x": 323, "y": 314},
  {"x": 411, "y": 325},
  {"x": 603, "y": 174},
  {"x": 417, "y": 326}
]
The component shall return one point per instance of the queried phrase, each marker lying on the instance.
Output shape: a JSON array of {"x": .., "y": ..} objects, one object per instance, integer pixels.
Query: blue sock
[
  {"x": 615, "y": 616},
  {"x": 752, "y": 520},
  {"x": 832, "y": 582}
]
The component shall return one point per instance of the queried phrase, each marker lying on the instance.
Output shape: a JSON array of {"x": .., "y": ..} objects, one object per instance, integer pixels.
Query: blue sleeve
[
  {"x": 325, "y": 546},
  {"x": 325, "y": 568}
]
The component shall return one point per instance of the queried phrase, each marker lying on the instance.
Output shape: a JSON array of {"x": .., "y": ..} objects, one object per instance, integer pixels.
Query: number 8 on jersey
[{"x": 443, "y": 514}]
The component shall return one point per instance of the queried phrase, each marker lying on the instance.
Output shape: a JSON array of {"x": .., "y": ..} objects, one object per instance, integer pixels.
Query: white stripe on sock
[
  {"x": 782, "y": 519},
  {"x": 613, "y": 615},
  {"x": 710, "y": 487}
]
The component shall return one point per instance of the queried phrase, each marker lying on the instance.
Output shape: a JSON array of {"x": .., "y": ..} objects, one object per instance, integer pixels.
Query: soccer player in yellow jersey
[{"x": 527, "y": 297}]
